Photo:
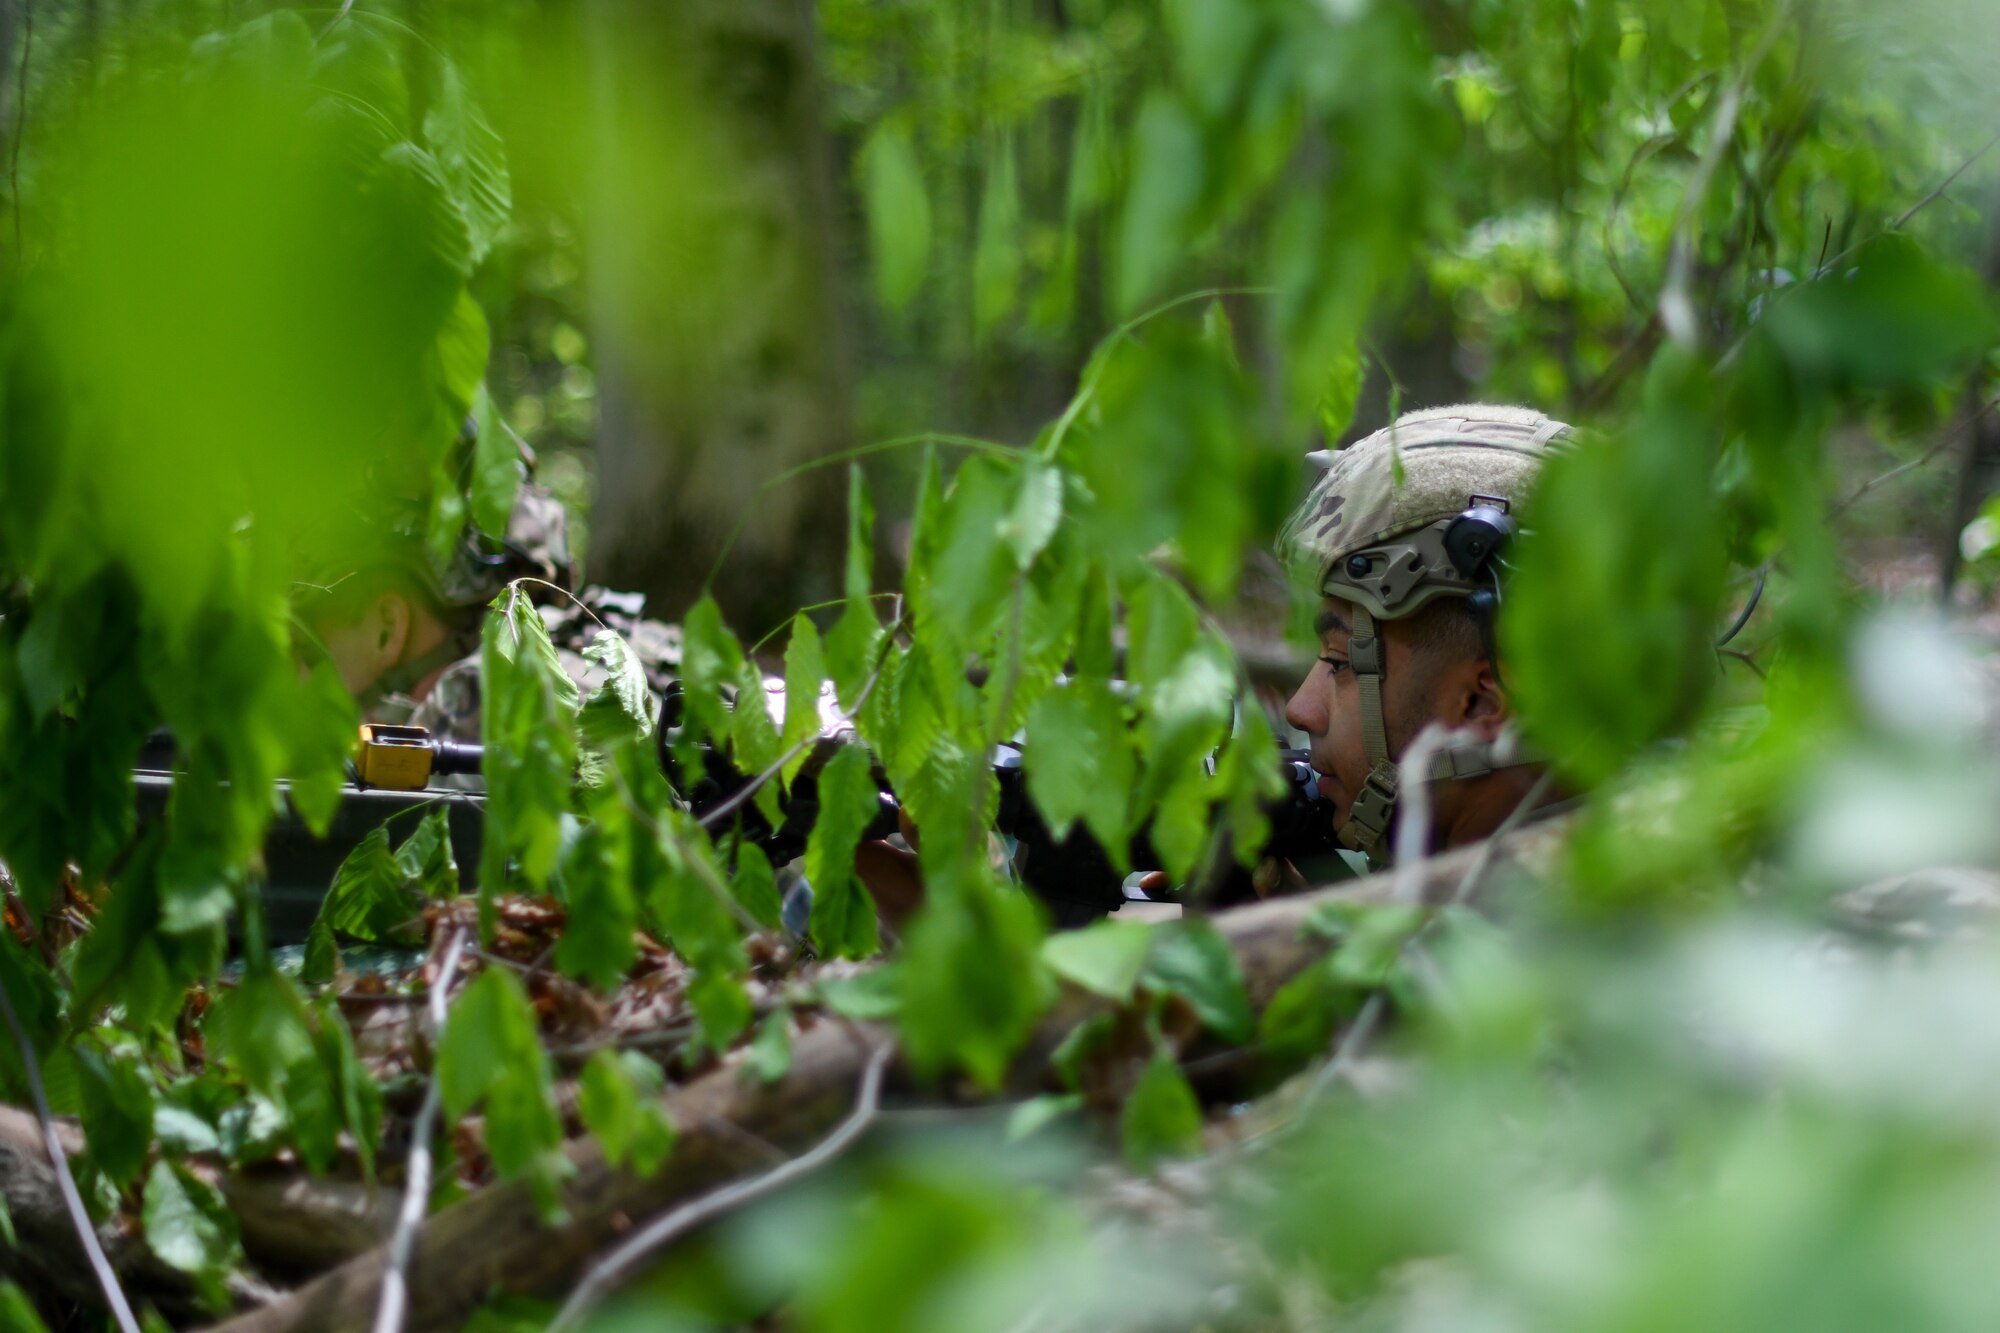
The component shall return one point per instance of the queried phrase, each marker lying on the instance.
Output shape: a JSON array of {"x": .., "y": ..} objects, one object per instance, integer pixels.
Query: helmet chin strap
[{"x": 1367, "y": 827}]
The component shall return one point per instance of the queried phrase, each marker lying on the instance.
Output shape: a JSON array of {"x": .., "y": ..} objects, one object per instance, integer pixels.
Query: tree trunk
[{"x": 714, "y": 294}]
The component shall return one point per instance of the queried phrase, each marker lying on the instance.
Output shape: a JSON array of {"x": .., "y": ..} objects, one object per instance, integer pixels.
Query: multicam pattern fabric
[
  {"x": 1424, "y": 467},
  {"x": 536, "y": 546},
  {"x": 450, "y": 708}
]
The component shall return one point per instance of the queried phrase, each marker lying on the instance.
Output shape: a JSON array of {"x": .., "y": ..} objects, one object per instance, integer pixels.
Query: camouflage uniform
[{"x": 536, "y": 547}]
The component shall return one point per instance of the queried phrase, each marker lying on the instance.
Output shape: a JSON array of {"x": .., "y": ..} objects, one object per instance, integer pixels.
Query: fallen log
[{"x": 495, "y": 1240}]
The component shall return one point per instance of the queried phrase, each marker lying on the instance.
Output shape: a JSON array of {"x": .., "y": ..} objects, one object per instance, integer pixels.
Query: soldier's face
[{"x": 1327, "y": 704}]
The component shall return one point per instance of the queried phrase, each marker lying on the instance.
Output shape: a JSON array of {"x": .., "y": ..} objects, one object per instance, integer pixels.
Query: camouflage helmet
[
  {"x": 535, "y": 545},
  {"x": 1414, "y": 512},
  {"x": 1374, "y": 527}
]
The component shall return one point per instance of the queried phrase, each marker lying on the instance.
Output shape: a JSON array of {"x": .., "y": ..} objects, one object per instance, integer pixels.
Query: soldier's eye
[{"x": 1334, "y": 664}]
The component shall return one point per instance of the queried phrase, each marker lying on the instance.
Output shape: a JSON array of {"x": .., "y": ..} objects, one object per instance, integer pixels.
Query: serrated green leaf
[
  {"x": 367, "y": 900},
  {"x": 470, "y": 158},
  {"x": 711, "y": 659},
  {"x": 843, "y": 915},
  {"x": 1105, "y": 957},
  {"x": 1191, "y": 959},
  {"x": 1079, "y": 762},
  {"x": 426, "y": 857},
  {"x": 1162, "y": 1118},
  {"x": 620, "y": 709},
  {"x": 805, "y": 669},
  {"x": 528, "y": 724}
]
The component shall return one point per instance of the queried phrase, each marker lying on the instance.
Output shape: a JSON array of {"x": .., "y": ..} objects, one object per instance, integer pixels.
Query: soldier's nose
[{"x": 1305, "y": 711}]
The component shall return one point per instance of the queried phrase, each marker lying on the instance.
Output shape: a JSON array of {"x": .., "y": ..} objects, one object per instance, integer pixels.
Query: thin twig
[
  {"x": 1944, "y": 442},
  {"x": 79, "y": 1216},
  {"x": 616, "y": 1266},
  {"x": 1937, "y": 192},
  {"x": 1363, "y": 1028},
  {"x": 417, "y": 1189}
]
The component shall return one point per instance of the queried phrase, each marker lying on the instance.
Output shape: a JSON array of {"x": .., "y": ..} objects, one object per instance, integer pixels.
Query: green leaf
[
  {"x": 843, "y": 915},
  {"x": 1161, "y": 204},
  {"x": 805, "y": 669},
  {"x": 1037, "y": 511},
  {"x": 873, "y": 995},
  {"x": 528, "y": 723},
  {"x": 620, "y": 709},
  {"x": 1299, "y": 1021},
  {"x": 1105, "y": 957},
  {"x": 599, "y": 941},
  {"x": 719, "y": 1002},
  {"x": 367, "y": 899},
  {"x": 464, "y": 345},
  {"x": 187, "y": 1223},
  {"x": 1191, "y": 959},
  {"x": 17, "y": 1312},
  {"x": 470, "y": 158},
  {"x": 619, "y": 1097},
  {"x": 1034, "y": 1115},
  {"x": 996, "y": 259},
  {"x": 117, "y": 1111},
  {"x": 496, "y": 467},
  {"x": 489, "y": 1034},
  {"x": 771, "y": 1053},
  {"x": 898, "y": 212},
  {"x": 753, "y": 736},
  {"x": 711, "y": 659},
  {"x": 973, "y": 982},
  {"x": 1079, "y": 762},
  {"x": 853, "y": 646},
  {"x": 426, "y": 857},
  {"x": 756, "y": 887},
  {"x": 1162, "y": 1118},
  {"x": 1341, "y": 393}
]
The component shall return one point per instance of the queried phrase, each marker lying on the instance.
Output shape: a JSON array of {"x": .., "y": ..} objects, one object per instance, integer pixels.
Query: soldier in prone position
[{"x": 403, "y": 629}]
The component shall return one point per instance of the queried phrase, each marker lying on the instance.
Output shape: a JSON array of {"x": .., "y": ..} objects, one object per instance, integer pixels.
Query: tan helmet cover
[{"x": 1449, "y": 459}]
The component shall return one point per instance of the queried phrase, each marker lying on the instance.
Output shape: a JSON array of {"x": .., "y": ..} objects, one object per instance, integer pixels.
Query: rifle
[{"x": 395, "y": 768}]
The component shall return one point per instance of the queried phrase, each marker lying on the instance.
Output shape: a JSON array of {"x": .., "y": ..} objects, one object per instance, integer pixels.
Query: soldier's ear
[
  {"x": 1476, "y": 700},
  {"x": 391, "y": 622}
]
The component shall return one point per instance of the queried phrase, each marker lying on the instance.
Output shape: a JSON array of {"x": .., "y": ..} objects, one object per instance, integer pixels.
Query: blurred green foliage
[{"x": 264, "y": 259}]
